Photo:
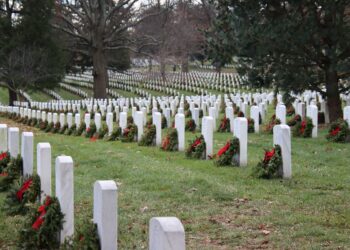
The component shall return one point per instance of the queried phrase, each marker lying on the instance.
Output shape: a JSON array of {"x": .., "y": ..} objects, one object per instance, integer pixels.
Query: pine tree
[
  {"x": 293, "y": 45},
  {"x": 30, "y": 57}
]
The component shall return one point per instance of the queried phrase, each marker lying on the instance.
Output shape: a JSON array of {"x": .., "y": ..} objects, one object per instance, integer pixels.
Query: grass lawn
[
  {"x": 221, "y": 208},
  {"x": 4, "y": 96},
  {"x": 66, "y": 95}
]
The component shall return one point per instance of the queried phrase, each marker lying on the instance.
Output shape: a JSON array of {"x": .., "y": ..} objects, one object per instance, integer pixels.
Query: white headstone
[
  {"x": 105, "y": 213},
  {"x": 109, "y": 121},
  {"x": 157, "y": 121},
  {"x": 13, "y": 141},
  {"x": 180, "y": 127},
  {"x": 312, "y": 112},
  {"x": 281, "y": 137},
  {"x": 166, "y": 233},
  {"x": 347, "y": 114},
  {"x": 27, "y": 152},
  {"x": 65, "y": 193},
  {"x": 207, "y": 132},
  {"x": 281, "y": 113},
  {"x": 87, "y": 120},
  {"x": 139, "y": 123},
  {"x": 77, "y": 120},
  {"x": 254, "y": 114},
  {"x": 123, "y": 120},
  {"x": 3, "y": 137},
  {"x": 44, "y": 168},
  {"x": 241, "y": 132},
  {"x": 69, "y": 120},
  {"x": 229, "y": 114},
  {"x": 98, "y": 121}
]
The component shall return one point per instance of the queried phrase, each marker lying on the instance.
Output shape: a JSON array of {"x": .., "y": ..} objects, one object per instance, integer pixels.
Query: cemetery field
[{"x": 221, "y": 208}]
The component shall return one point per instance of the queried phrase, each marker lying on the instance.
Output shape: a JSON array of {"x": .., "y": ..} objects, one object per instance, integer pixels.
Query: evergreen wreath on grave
[
  {"x": 71, "y": 130},
  {"x": 116, "y": 133},
  {"x": 33, "y": 122},
  {"x": 49, "y": 127},
  {"x": 81, "y": 129},
  {"x": 91, "y": 130},
  {"x": 236, "y": 110},
  {"x": 240, "y": 114},
  {"x": 188, "y": 113},
  {"x": 303, "y": 128},
  {"x": 85, "y": 237},
  {"x": 25, "y": 190},
  {"x": 102, "y": 131},
  {"x": 164, "y": 122},
  {"x": 224, "y": 125},
  {"x": 29, "y": 121},
  {"x": 11, "y": 172},
  {"x": 228, "y": 154},
  {"x": 197, "y": 148},
  {"x": 42, "y": 226},
  {"x": 292, "y": 122},
  {"x": 290, "y": 110},
  {"x": 149, "y": 136},
  {"x": 25, "y": 120},
  {"x": 190, "y": 125},
  {"x": 338, "y": 131},
  {"x": 271, "y": 165},
  {"x": 129, "y": 133},
  {"x": 251, "y": 128},
  {"x": 5, "y": 158},
  {"x": 43, "y": 125},
  {"x": 273, "y": 122},
  {"x": 170, "y": 142},
  {"x": 56, "y": 128},
  {"x": 63, "y": 129}
]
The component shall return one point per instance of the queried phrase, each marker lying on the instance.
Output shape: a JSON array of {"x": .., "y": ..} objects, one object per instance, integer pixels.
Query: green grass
[
  {"x": 66, "y": 95},
  {"x": 39, "y": 96},
  {"x": 4, "y": 95},
  {"x": 221, "y": 208}
]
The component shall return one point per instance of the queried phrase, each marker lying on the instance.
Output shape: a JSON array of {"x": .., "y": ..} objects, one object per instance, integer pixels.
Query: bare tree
[{"x": 98, "y": 28}]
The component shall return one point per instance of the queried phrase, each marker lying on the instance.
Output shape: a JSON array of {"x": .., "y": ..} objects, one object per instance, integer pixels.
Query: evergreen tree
[
  {"x": 30, "y": 57},
  {"x": 293, "y": 45}
]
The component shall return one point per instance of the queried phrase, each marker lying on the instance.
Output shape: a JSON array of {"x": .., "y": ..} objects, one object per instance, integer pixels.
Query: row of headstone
[{"x": 165, "y": 232}]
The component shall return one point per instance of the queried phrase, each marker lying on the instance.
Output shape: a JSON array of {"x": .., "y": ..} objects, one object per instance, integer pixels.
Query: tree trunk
[
  {"x": 12, "y": 96},
  {"x": 150, "y": 66},
  {"x": 218, "y": 68},
  {"x": 162, "y": 69},
  {"x": 100, "y": 73},
  {"x": 333, "y": 97},
  {"x": 184, "y": 65}
]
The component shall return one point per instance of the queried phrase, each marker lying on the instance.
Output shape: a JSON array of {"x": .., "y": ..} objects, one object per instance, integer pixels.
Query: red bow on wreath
[
  {"x": 269, "y": 155},
  {"x": 42, "y": 210},
  {"x": 166, "y": 142},
  {"x": 196, "y": 143},
  {"x": 335, "y": 131},
  {"x": 3, "y": 156},
  {"x": 224, "y": 149},
  {"x": 26, "y": 185},
  {"x": 126, "y": 132},
  {"x": 4, "y": 174}
]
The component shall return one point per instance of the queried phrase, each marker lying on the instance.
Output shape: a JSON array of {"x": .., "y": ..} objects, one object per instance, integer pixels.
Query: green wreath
[
  {"x": 224, "y": 125},
  {"x": 303, "y": 128},
  {"x": 149, "y": 136},
  {"x": 24, "y": 191},
  {"x": 129, "y": 133},
  {"x": 228, "y": 155},
  {"x": 170, "y": 142},
  {"x": 190, "y": 125},
  {"x": 42, "y": 226},
  {"x": 251, "y": 128},
  {"x": 338, "y": 132},
  {"x": 71, "y": 130},
  {"x": 197, "y": 148},
  {"x": 271, "y": 166},
  {"x": 11, "y": 172},
  {"x": 81, "y": 129},
  {"x": 292, "y": 122},
  {"x": 91, "y": 130}
]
